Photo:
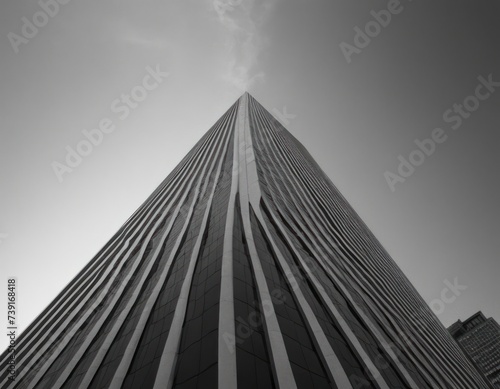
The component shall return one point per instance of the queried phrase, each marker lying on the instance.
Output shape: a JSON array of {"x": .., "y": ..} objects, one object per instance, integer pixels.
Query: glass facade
[
  {"x": 480, "y": 339},
  {"x": 245, "y": 268}
]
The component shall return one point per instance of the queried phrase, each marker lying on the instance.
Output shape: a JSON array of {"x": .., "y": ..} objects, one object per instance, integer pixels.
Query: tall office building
[
  {"x": 245, "y": 268},
  {"x": 480, "y": 339}
]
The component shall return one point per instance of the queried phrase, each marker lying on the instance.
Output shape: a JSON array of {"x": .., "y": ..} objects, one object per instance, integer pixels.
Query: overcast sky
[{"x": 356, "y": 102}]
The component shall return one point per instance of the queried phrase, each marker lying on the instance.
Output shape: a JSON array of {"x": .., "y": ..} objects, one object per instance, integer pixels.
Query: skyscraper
[
  {"x": 480, "y": 339},
  {"x": 245, "y": 268}
]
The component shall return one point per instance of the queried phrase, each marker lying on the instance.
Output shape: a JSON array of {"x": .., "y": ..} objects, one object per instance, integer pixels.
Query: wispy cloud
[
  {"x": 132, "y": 34},
  {"x": 146, "y": 42},
  {"x": 242, "y": 20}
]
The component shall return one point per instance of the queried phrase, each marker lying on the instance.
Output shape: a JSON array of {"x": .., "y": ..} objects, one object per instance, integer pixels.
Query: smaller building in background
[{"x": 480, "y": 339}]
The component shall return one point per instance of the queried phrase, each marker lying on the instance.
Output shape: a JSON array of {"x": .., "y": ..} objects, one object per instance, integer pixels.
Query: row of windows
[
  {"x": 252, "y": 355},
  {"x": 275, "y": 186},
  {"x": 199, "y": 339}
]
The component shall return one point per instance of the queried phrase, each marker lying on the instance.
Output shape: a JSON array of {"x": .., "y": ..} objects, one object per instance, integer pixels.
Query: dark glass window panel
[{"x": 252, "y": 356}]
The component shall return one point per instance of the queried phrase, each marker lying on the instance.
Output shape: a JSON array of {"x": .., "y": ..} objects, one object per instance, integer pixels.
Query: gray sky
[{"x": 355, "y": 118}]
